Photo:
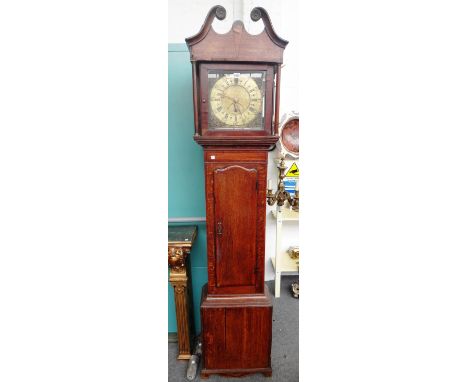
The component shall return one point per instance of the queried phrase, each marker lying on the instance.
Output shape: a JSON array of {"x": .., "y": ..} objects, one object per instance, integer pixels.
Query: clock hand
[
  {"x": 239, "y": 107},
  {"x": 235, "y": 103},
  {"x": 231, "y": 104},
  {"x": 232, "y": 99}
]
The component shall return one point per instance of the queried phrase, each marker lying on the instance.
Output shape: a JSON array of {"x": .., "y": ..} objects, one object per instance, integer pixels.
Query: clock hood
[{"x": 237, "y": 45}]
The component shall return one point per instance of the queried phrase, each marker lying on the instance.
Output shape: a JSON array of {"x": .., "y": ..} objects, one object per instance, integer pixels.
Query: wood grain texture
[
  {"x": 276, "y": 119},
  {"x": 268, "y": 129},
  {"x": 235, "y": 197},
  {"x": 236, "y": 307},
  {"x": 184, "y": 336},
  {"x": 239, "y": 300},
  {"x": 237, "y": 35},
  {"x": 184, "y": 313},
  {"x": 237, "y": 333},
  {"x": 195, "y": 97},
  {"x": 180, "y": 241},
  {"x": 205, "y": 373},
  {"x": 236, "y": 228},
  {"x": 236, "y": 50},
  {"x": 235, "y": 156},
  {"x": 236, "y": 45},
  {"x": 213, "y": 337},
  {"x": 239, "y": 142}
]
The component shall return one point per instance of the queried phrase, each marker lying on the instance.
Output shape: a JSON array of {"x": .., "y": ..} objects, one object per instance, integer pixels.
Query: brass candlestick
[{"x": 281, "y": 195}]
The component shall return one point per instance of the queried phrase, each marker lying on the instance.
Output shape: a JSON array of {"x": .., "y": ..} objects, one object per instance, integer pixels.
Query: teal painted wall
[
  {"x": 186, "y": 180},
  {"x": 186, "y": 175}
]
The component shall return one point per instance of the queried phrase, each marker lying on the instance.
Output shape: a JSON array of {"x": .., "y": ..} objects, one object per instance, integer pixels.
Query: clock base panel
[
  {"x": 236, "y": 334},
  {"x": 205, "y": 373}
]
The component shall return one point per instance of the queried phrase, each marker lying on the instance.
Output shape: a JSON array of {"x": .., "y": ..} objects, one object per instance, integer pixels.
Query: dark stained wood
[
  {"x": 260, "y": 13},
  {"x": 205, "y": 373},
  {"x": 237, "y": 332},
  {"x": 254, "y": 143},
  {"x": 204, "y": 106},
  {"x": 239, "y": 300},
  {"x": 236, "y": 45},
  {"x": 217, "y": 11},
  {"x": 233, "y": 190},
  {"x": 236, "y": 49},
  {"x": 214, "y": 331},
  {"x": 221, "y": 156},
  {"x": 195, "y": 97},
  {"x": 246, "y": 336},
  {"x": 238, "y": 199},
  {"x": 277, "y": 100},
  {"x": 236, "y": 308}
]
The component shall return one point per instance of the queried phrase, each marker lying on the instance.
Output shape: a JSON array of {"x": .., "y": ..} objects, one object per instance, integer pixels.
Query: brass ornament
[
  {"x": 293, "y": 252},
  {"x": 179, "y": 288},
  {"x": 176, "y": 259},
  {"x": 281, "y": 195}
]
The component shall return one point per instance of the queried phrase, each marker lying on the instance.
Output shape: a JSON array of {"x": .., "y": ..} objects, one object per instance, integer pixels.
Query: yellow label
[{"x": 293, "y": 171}]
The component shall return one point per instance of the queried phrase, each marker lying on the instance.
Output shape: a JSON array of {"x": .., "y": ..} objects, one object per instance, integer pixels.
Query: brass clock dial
[{"x": 236, "y": 100}]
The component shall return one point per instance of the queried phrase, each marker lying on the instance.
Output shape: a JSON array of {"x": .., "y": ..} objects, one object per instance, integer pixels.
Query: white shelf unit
[{"x": 282, "y": 262}]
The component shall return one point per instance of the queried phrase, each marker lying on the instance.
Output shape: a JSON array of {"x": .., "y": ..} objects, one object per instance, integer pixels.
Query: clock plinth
[
  {"x": 236, "y": 79},
  {"x": 236, "y": 333}
]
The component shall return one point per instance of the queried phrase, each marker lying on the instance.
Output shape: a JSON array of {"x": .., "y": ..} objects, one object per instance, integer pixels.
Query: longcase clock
[{"x": 236, "y": 92}]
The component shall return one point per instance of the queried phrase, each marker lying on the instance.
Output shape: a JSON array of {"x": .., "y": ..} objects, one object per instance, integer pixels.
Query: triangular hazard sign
[{"x": 293, "y": 171}]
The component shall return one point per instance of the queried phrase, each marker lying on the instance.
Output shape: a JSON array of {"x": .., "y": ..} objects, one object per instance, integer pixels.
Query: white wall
[{"x": 185, "y": 19}]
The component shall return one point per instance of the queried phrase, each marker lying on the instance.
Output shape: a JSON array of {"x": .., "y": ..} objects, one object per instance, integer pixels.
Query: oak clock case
[{"x": 236, "y": 91}]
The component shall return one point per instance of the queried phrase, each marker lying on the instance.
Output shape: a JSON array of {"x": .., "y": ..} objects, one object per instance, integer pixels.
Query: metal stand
[{"x": 194, "y": 362}]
